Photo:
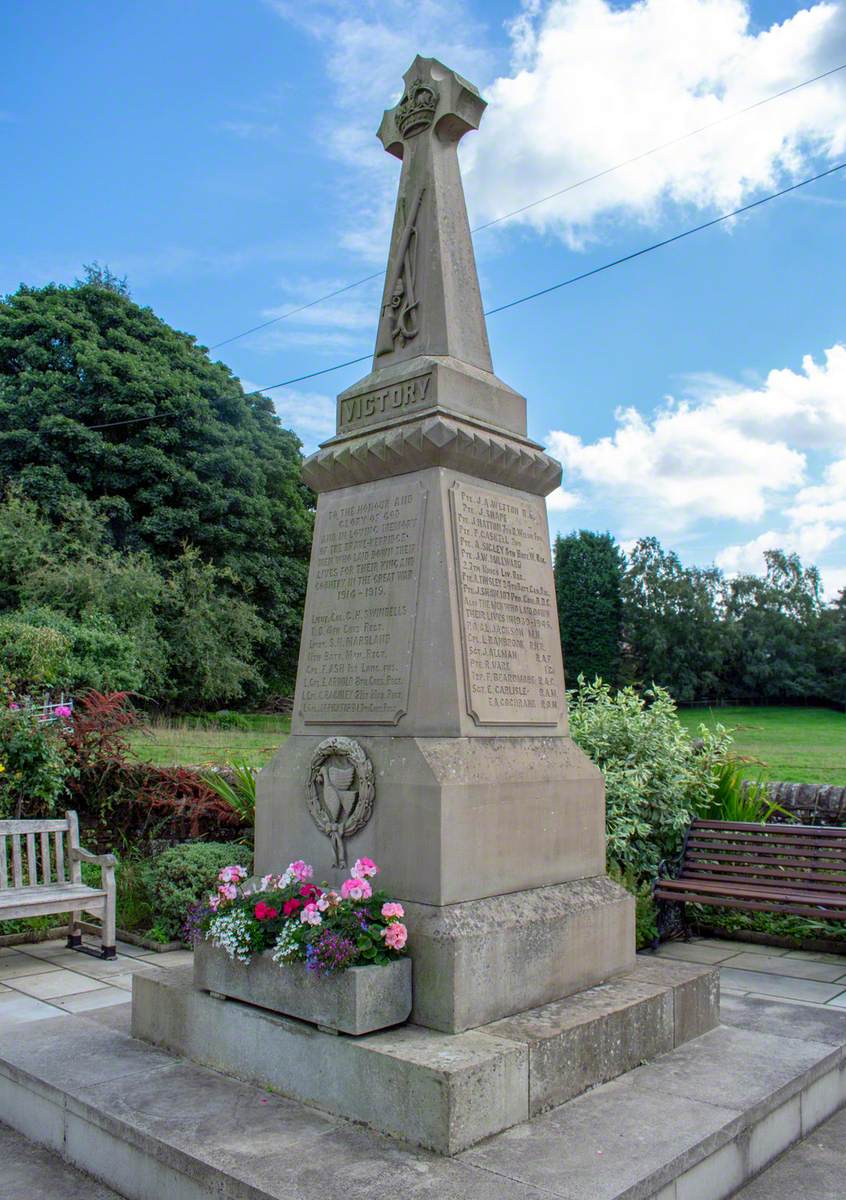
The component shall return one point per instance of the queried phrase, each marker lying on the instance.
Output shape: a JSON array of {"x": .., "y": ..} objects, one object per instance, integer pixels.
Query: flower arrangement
[{"x": 298, "y": 921}]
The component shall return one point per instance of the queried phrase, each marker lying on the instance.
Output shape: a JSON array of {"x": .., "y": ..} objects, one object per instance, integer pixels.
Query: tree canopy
[
  {"x": 588, "y": 587},
  {"x": 131, "y": 444}
]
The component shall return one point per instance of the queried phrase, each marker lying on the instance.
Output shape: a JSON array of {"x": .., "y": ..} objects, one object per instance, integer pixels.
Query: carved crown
[{"x": 416, "y": 111}]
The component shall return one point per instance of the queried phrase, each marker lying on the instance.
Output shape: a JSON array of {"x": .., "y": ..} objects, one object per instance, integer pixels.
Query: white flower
[
  {"x": 311, "y": 915},
  {"x": 286, "y": 946},
  {"x": 231, "y": 932}
]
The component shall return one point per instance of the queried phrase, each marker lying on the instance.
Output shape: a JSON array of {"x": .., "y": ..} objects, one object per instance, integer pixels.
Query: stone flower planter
[{"x": 358, "y": 1000}]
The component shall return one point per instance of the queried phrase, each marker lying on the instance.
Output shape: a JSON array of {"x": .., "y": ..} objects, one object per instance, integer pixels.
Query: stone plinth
[
  {"x": 356, "y": 1001},
  {"x": 442, "y": 1091}
]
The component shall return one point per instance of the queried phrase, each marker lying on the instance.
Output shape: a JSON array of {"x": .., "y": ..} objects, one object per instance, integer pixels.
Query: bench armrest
[{"x": 97, "y": 860}]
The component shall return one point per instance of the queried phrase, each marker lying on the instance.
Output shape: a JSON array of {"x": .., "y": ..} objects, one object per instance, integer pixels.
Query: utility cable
[{"x": 543, "y": 199}]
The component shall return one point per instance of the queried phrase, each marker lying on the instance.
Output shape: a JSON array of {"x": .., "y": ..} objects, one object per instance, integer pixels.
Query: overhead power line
[
  {"x": 616, "y": 262},
  {"x": 554, "y": 287},
  {"x": 543, "y": 199}
]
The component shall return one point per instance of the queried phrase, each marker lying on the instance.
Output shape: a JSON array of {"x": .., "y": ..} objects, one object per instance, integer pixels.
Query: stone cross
[{"x": 431, "y": 302}]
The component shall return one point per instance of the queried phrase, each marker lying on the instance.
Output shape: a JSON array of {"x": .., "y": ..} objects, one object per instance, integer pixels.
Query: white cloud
[
  {"x": 595, "y": 83},
  {"x": 311, "y": 415},
  {"x": 728, "y": 452},
  {"x": 808, "y": 541},
  {"x": 561, "y": 501}
]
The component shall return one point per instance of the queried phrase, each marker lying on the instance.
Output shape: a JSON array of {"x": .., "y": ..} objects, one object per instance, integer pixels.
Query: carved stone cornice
[{"x": 435, "y": 441}]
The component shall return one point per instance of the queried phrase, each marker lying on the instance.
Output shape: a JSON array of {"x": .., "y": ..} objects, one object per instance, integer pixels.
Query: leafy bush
[
  {"x": 646, "y": 918},
  {"x": 786, "y": 925},
  {"x": 655, "y": 773},
  {"x": 184, "y": 875},
  {"x": 734, "y": 800},
  {"x": 239, "y": 791},
  {"x": 37, "y": 763}
]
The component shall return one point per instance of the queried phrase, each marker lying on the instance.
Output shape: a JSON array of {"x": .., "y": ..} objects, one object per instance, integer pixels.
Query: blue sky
[{"x": 223, "y": 156}]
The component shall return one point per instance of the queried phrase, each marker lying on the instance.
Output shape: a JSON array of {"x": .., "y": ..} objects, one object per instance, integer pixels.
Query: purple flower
[{"x": 330, "y": 952}]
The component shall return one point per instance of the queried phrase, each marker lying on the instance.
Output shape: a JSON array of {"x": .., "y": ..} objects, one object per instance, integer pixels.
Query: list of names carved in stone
[
  {"x": 509, "y": 623},
  {"x": 359, "y": 629}
]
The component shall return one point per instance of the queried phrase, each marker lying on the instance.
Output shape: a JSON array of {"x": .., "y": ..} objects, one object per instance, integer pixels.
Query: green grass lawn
[
  {"x": 175, "y": 743},
  {"x": 796, "y": 745}
]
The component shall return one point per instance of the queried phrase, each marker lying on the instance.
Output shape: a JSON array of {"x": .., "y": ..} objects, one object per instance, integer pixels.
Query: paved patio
[
  {"x": 40, "y": 980},
  {"x": 37, "y": 980},
  {"x": 797, "y": 976}
]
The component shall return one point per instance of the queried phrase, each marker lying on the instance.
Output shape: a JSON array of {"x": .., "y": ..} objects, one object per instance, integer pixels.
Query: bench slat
[
  {"x": 773, "y": 827},
  {"x": 32, "y": 869},
  {"x": 3, "y": 865},
  {"x": 800, "y": 910},
  {"x": 59, "y": 841},
  {"x": 784, "y": 845},
  {"x": 50, "y": 826},
  {"x": 766, "y": 854},
  {"x": 45, "y": 856},
  {"x": 17, "y": 875},
  {"x": 741, "y": 890},
  {"x": 740, "y": 872}
]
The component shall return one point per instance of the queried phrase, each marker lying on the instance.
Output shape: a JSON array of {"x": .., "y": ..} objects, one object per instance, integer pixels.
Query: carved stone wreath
[{"x": 340, "y": 791}]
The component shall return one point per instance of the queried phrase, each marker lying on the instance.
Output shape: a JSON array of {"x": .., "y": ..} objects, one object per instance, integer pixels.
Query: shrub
[
  {"x": 184, "y": 875},
  {"x": 237, "y": 788},
  {"x": 734, "y": 800},
  {"x": 646, "y": 917},
  {"x": 37, "y": 763},
  {"x": 655, "y": 773}
]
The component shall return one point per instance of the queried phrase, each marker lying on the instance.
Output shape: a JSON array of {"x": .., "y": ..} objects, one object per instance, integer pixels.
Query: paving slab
[
  {"x": 17, "y": 1009},
  {"x": 815, "y": 1169},
  {"x": 738, "y": 947},
  {"x": 86, "y": 1001},
  {"x": 816, "y": 956},
  {"x": 31, "y": 1172},
  {"x": 780, "y": 985},
  {"x": 696, "y": 952},
  {"x": 796, "y": 968},
  {"x": 21, "y": 964},
  {"x": 764, "y": 1014},
  {"x": 837, "y": 1001},
  {"x": 48, "y": 984}
]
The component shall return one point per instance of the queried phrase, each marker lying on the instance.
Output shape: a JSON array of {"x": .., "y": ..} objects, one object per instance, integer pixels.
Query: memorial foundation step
[
  {"x": 695, "y": 1124},
  {"x": 442, "y": 1091}
]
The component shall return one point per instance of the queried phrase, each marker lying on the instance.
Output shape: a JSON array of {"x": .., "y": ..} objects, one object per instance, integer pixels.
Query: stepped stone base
[
  {"x": 441, "y": 1091},
  {"x": 695, "y": 1124}
]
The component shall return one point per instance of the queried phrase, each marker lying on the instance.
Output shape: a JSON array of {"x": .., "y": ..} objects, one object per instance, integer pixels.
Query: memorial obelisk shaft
[{"x": 429, "y": 728}]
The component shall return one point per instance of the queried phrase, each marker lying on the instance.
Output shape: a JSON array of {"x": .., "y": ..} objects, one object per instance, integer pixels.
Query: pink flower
[
  {"x": 392, "y": 909},
  {"x": 395, "y": 935},
  {"x": 302, "y": 870},
  {"x": 62, "y": 710},
  {"x": 291, "y": 906},
  {"x": 356, "y": 889},
  {"x": 214, "y": 902},
  {"x": 364, "y": 868},
  {"x": 232, "y": 874},
  {"x": 14, "y": 706},
  {"x": 264, "y": 912},
  {"x": 311, "y": 915},
  {"x": 267, "y": 882},
  {"x": 328, "y": 899},
  {"x": 228, "y": 891}
]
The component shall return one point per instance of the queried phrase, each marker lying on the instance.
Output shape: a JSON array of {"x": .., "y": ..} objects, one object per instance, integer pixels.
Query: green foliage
[
  {"x": 588, "y": 581},
  {"x": 646, "y": 917},
  {"x": 32, "y": 656},
  {"x": 672, "y": 624},
  {"x": 185, "y": 875},
  {"x": 655, "y": 774},
  {"x": 207, "y": 493},
  {"x": 37, "y": 764},
  {"x": 787, "y": 925},
  {"x": 239, "y": 792},
  {"x": 774, "y": 633},
  {"x": 734, "y": 799}
]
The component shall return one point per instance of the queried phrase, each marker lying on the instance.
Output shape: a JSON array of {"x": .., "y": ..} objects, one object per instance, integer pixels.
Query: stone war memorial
[{"x": 430, "y": 730}]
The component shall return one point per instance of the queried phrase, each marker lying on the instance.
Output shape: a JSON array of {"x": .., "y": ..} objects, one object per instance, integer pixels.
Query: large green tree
[
  {"x": 588, "y": 578},
  {"x": 671, "y": 623},
  {"x": 102, "y": 400}
]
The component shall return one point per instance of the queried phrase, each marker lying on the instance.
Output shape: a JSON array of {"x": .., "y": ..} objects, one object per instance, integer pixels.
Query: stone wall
[{"x": 811, "y": 803}]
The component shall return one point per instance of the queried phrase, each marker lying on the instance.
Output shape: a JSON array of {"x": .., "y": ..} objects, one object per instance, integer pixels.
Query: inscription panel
[
  {"x": 509, "y": 624},
  {"x": 358, "y": 634},
  {"x": 384, "y": 403}
]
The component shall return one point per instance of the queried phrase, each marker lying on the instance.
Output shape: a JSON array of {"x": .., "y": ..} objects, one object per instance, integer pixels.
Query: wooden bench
[
  {"x": 797, "y": 869},
  {"x": 41, "y": 872}
]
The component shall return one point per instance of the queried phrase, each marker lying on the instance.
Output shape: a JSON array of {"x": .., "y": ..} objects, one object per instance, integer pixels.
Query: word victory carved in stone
[
  {"x": 340, "y": 791},
  {"x": 399, "y": 322}
]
